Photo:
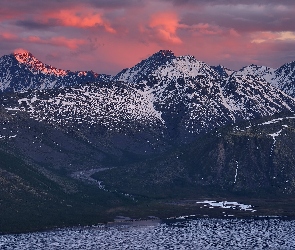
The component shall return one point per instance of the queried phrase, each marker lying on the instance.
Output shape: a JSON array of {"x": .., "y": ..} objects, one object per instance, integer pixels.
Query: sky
[{"x": 108, "y": 35}]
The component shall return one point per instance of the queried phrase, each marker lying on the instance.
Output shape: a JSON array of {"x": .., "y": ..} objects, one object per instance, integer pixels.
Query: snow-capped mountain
[
  {"x": 164, "y": 97},
  {"x": 285, "y": 78},
  {"x": 22, "y": 71},
  {"x": 142, "y": 70},
  {"x": 282, "y": 78},
  {"x": 165, "y": 66},
  {"x": 194, "y": 97},
  {"x": 180, "y": 95}
]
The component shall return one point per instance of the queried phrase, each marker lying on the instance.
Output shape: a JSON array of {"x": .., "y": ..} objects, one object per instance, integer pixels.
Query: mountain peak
[
  {"x": 25, "y": 57},
  {"x": 163, "y": 54},
  {"x": 21, "y": 71},
  {"x": 166, "y": 52}
]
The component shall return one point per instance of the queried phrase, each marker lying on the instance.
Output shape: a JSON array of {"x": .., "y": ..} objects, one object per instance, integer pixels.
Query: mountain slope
[
  {"x": 254, "y": 157},
  {"x": 146, "y": 119},
  {"x": 223, "y": 71},
  {"x": 45, "y": 145},
  {"x": 34, "y": 197},
  {"x": 81, "y": 125}
]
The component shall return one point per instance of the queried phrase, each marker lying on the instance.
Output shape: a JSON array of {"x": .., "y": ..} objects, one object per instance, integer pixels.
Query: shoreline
[{"x": 147, "y": 222}]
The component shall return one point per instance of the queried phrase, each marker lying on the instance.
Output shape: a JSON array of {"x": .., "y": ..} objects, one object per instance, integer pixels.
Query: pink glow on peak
[{"x": 21, "y": 51}]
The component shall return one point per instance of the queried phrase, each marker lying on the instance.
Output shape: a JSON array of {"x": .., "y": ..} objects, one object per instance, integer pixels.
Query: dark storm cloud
[
  {"x": 230, "y": 2},
  {"x": 29, "y": 6},
  {"x": 32, "y": 24},
  {"x": 116, "y": 3},
  {"x": 252, "y": 18}
]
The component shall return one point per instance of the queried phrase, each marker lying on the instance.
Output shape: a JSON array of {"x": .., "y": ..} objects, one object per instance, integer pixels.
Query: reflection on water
[{"x": 182, "y": 234}]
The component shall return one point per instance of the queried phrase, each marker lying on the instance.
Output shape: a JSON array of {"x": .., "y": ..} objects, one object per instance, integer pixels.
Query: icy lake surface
[{"x": 186, "y": 234}]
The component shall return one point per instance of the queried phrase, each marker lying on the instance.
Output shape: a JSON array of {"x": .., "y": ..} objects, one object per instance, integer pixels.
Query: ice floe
[
  {"x": 188, "y": 234},
  {"x": 227, "y": 204}
]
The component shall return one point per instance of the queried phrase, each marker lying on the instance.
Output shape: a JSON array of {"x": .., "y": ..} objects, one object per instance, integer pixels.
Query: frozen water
[
  {"x": 228, "y": 204},
  {"x": 187, "y": 234}
]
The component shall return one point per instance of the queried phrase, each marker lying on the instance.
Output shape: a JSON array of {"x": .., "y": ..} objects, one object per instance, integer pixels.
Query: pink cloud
[
  {"x": 9, "y": 13},
  {"x": 72, "y": 44},
  {"x": 34, "y": 39},
  {"x": 205, "y": 29},
  {"x": 165, "y": 25},
  {"x": 79, "y": 17},
  {"x": 262, "y": 37},
  {"x": 8, "y": 36}
]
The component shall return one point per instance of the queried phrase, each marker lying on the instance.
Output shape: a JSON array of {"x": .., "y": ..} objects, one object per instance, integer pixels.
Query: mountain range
[
  {"x": 176, "y": 97},
  {"x": 164, "y": 128}
]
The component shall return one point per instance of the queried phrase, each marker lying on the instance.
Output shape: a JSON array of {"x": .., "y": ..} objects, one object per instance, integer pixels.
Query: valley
[{"x": 154, "y": 140}]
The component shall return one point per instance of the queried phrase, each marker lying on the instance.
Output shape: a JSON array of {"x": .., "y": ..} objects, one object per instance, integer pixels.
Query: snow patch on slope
[{"x": 113, "y": 107}]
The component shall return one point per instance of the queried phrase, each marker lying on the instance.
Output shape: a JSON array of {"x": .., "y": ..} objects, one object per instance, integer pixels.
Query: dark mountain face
[
  {"x": 249, "y": 158},
  {"x": 223, "y": 71},
  {"x": 108, "y": 117}
]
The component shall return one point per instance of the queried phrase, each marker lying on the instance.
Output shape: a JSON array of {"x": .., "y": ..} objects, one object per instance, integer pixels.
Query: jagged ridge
[
  {"x": 179, "y": 96},
  {"x": 22, "y": 71}
]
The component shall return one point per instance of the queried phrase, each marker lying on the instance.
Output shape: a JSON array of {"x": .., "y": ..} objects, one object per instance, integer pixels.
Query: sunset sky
[{"x": 109, "y": 35}]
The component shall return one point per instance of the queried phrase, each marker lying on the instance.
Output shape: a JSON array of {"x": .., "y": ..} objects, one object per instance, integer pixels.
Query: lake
[{"x": 204, "y": 233}]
